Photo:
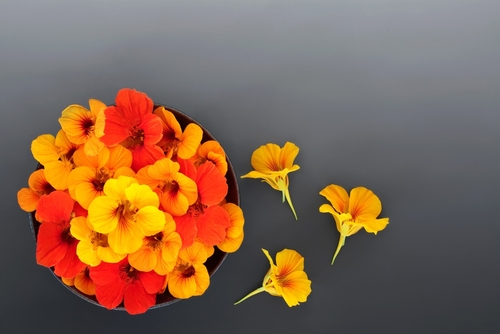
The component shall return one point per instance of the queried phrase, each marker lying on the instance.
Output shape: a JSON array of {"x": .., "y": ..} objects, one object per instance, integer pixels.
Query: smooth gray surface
[{"x": 399, "y": 96}]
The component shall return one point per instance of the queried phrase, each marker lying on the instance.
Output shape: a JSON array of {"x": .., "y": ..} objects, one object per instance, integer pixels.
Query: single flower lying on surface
[
  {"x": 286, "y": 279},
  {"x": 129, "y": 204},
  {"x": 351, "y": 213},
  {"x": 272, "y": 164}
]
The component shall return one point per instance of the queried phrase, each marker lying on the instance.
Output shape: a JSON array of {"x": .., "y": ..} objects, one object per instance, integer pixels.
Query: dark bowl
[{"x": 213, "y": 263}]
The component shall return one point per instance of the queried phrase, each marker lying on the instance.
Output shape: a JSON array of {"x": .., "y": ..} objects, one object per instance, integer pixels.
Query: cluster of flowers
[{"x": 130, "y": 204}]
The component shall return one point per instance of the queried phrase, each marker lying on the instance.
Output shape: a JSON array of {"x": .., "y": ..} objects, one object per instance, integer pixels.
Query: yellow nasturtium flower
[
  {"x": 286, "y": 279},
  {"x": 127, "y": 212},
  {"x": 272, "y": 164},
  {"x": 351, "y": 213}
]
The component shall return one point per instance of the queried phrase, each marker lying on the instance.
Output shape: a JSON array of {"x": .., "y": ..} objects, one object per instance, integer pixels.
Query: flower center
[
  {"x": 136, "y": 138},
  {"x": 187, "y": 270},
  {"x": 100, "y": 179},
  {"x": 155, "y": 241},
  {"x": 99, "y": 239},
  {"x": 125, "y": 211},
  {"x": 128, "y": 273}
]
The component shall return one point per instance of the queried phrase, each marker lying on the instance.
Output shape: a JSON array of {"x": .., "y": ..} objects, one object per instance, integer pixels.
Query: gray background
[{"x": 401, "y": 97}]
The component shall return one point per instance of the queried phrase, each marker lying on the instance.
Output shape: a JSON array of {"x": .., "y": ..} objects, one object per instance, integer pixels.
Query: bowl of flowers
[{"x": 134, "y": 205}]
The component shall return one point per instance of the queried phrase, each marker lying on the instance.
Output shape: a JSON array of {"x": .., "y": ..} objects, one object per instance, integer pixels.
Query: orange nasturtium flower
[
  {"x": 56, "y": 155},
  {"x": 234, "y": 233},
  {"x": 272, "y": 164},
  {"x": 86, "y": 181},
  {"x": 79, "y": 124},
  {"x": 211, "y": 150},
  {"x": 126, "y": 213},
  {"x": 351, "y": 213},
  {"x": 82, "y": 282},
  {"x": 175, "y": 142},
  {"x": 286, "y": 279},
  {"x": 190, "y": 276},
  {"x": 38, "y": 185}
]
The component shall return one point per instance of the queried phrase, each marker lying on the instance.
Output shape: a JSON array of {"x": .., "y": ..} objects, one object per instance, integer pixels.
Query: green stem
[
  {"x": 253, "y": 293},
  {"x": 289, "y": 200},
  {"x": 339, "y": 246}
]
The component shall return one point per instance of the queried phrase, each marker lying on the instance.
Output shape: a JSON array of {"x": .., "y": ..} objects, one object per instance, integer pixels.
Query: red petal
[
  {"x": 187, "y": 168},
  {"x": 117, "y": 126},
  {"x": 136, "y": 299},
  {"x": 212, "y": 185},
  {"x": 55, "y": 207},
  {"x": 79, "y": 210},
  {"x": 107, "y": 273},
  {"x": 144, "y": 155},
  {"x": 153, "y": 129},
  {"x": 133, "y": 104},
  {"x": 212, "y": 225},
  {"x": 152, "y": 281},
  {"x": 110, "y": 295},
  {"x": 186, "y": 227},
  {"x": 50, "y": 248},
  {"x": 70, "y": 265}
]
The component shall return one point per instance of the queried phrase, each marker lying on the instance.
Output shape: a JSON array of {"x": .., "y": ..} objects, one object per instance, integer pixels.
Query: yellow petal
[
  {"x": 364, "y": 204},
  {"x": 57, "y": 173},
  {"x": 102, "y": 214},
  {"x": 125, "y": 238},
  {"x": 28, "y": 199},
  {"x": 288, "y": 260},
  {"x": 337, "y": 196},
  {"x": 141, "y": 196},
  {"x": 144, "y": 259},
  {"x": 189, "y": 141},
  {"x": 44, "y": 149},
  {"x": 287, "y": 155},
  {"x": 150, "y": 220},
  {"x": 265, "y": 159}
]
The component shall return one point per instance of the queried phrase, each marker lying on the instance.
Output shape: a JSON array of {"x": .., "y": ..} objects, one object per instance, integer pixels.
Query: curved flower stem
[
  {"x": 289, "y": 200},
  {"x": 339, "y": 246},
  {"x": 253, "y": 293}
]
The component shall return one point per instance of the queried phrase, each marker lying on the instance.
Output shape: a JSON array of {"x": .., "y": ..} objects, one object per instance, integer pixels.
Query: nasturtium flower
[
  {"x": 158, "y": 252},
  {"x": 175, "y": 142},
  {"x": 286, "y": 279},
  {"x": 132, "y": 124},
  {"x": 56, "y": 155},
  {"x": 37, "y": 187},
  {"x": 175, "y": 190},
  {"x": 55, "y": 246},
  {"x": 211, "y": 150},
  {"x": 352, "y": 212},
  {"x": 117, "y": 282},
  {"x": 79, "y": 124},
  {"x": 82, "y": 282},
  {"x": 234, "y": 233},
  {"x": 93, "y": 246},
  {"x": 272, "y": 164},
  {"x": 190, "y": 276},
  {"x": 86, "y": 182},
  {"x": 206, "y": 219},
  {"x": 127, "y": 212}
]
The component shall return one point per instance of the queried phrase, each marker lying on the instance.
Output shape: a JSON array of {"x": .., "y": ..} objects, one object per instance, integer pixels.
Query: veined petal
[
  {"x": 141, "y": 196},
  {"x": 80, "y": 229},
  {"x": 153, "y": 129},
  {"x": 77, "y": 122},
  {"x": 174, "y": 203},
  {"x": 109, "y": 295},
  {"x": 231, "y": 244},
  {"x": 337, "y": 196},
  {"x": 103, "y": 214},
  {"x": 265, "y": 159},
  {"x": 364, "y": 204},
  {"x": 186, "y": 227},
  {"x": 219, "y": 161},
  {"x": 50, "y": 248},
  {"x": 125, "y": 238},
  {"x": 180, "y": 286},
  {"x": 295, "y": 288},
  {"x": 116, "y": 126},
  {"x": 152, "y": 281},
  {"x": 27, "y": 199},
  {"x": 108, "y": 255},
  {"x": 289, "y": 261},
  {"x": 115, "y": 188},
  {"x": 187, "y": 187},
  {"x": 70, "y": 265},
  {"x": 119, "y": 157},
  {"x": 212, "y": 185},
  {"x": 196, "y": 253},
  {"x": 287, "y": 155},
  {"x": 64, "y": 145},
  {"x": 171, "y": 127},
  {"x": 212, "y": 225},
  {"x": 81, "y": 158},
  {"x": 55, "y": 207},
  {"x": 96, "y": 107},
  {"x": 237, "y": 219},
  {"x": 163, "y": 169},
  {"x": 144, "y": 259},
  {"x": 189, "y": 141},
  {"x": 201, "y": 278},
  {"x": 84, "y": 283},
  {"x": 144, "y": 155},
  {"x": 57, "y": 173},
  {"x": 134, "y": 104},
  {"x": 44, "y": 149},
  {"x": 87, "y": 253},
  {"x": 150, "y": 220}
]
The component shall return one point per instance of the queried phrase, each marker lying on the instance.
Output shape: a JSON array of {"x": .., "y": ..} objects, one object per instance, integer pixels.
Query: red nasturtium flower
[
  {"x": 132, "y": 124},
  {"x": 56, "y": 247},
  {"x": 205, "y": 219},
  {"x": 117, "y": 282}
]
